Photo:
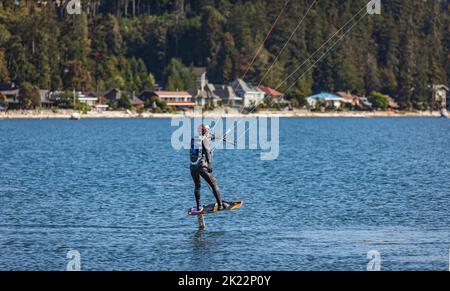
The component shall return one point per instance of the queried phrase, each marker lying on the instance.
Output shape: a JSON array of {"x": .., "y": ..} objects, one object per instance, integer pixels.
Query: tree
[
  {"x": 3, "y": 100},
  {"x": 124, "y": 102},
  {"x": 156, "y": 104},
  {"x": 179, "y": 77},
  {"x": 29, "y": 96},
  {"x": 379, "y": 100},
  {"x": 4, "y": 35},
  {"x": 212, "y": 31},
  {"x": 65, "y": 100},
  {"x": 372, "y": 75},
  {"x": 4, "y": 73},
  {"x": 149, "y": 83},
  {"x": 75, "y": 75},
  {"x": 19, "y": 67}
]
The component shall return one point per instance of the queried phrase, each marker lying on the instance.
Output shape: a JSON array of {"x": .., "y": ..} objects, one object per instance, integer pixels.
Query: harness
[{"x": 197, "y": 149}]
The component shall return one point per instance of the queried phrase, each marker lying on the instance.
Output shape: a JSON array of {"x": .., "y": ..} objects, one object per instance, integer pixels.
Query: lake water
[{"x": 116, "y": 191}]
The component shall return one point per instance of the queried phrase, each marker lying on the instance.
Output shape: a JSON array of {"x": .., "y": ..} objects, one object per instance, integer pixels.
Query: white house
[
  {"x": 87, "y": 98},
  {"x": 330, "y": 99},
  {"x": 177, "y": 99},
  {"x": 251, "y": 95}
]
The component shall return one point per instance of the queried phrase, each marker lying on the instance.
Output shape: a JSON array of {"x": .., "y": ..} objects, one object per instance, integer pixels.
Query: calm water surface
[{"x": 117, "y": 192}]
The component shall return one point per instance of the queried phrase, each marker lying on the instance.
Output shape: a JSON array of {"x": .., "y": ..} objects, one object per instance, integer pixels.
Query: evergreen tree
[
  {"x": 128, "y": 44},
  {"x": 179, "y": 77},
  {"x": 4, "y": 73}
]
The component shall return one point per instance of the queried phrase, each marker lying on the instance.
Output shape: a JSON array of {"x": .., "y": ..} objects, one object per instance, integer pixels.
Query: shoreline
[{"x": 47, "y": 114}]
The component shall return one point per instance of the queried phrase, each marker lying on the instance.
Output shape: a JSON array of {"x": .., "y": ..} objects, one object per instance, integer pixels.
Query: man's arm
[{"x": 222, "y": 138}]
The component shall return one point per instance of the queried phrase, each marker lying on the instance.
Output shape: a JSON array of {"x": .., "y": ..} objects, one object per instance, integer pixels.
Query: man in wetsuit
[{"x": 201, "y": 165}]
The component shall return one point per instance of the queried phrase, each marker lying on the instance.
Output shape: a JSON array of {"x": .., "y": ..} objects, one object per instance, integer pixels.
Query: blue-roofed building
[{"x": 330, "y": 99}]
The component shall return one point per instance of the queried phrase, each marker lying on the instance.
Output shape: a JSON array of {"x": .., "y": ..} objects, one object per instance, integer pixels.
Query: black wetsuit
[{"x": 201, "y": 166}]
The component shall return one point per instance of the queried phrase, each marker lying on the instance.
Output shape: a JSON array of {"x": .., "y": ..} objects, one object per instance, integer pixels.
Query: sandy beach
[{"x": 66, "y": 114}]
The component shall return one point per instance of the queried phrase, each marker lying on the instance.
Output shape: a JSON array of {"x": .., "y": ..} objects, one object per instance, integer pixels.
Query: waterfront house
[
  {"x": 88, "y": 98},
  {"x": 136, "y": 102},
  {"x": 364, "y": 103},
  {"x": 349, "y": 98},
  {"x": 277, "y": 96},
  {"x": 93, "y": 99},
  {"x": 355, "y": 101},
  {"x": 176, "y": 99},
  {"x": 13, "y": 98},
  {"x": 251, "y": 95},
  {"x": 145, "y": 96},
  {"x": 392, "y": 103},
  {"x": 227, "y": 95},
  {"x": 330, "y": 100},
  {"x": 12, "y": 93},
  {"x": 114, "y": 95},
  {"x": 46, "y": 101},
  {"x": 204, "y": 93}
]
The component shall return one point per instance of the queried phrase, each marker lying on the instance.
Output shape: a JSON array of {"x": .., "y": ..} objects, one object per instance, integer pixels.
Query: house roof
[
  {"x": 325, "y": 96},
  {"x": 226, "y": 92},
  {"x": 7, "y": 86},
  {"x": 211, "y": 87},
  {"x": 270, "y": 91},
  {"x": 136, "y": 101},
  {"x": 113, "y": 94},
  {"x": 197, "y": 93},
  {"x": 93, "y": 94},
  {"x": 43, "y": 94},
  {"x": 171, "y": 94},
  {"x": 247, "y": 87},
  {"x": 145, "y": 94},
  {"x": 347, "y": 95}
]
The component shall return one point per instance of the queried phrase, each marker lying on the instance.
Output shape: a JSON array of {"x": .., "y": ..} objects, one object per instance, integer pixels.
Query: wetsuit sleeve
[{"x": 207, "y": 151}]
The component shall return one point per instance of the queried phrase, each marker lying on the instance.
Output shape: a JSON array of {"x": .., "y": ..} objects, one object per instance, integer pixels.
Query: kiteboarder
[{"x": 201, "y": 165}]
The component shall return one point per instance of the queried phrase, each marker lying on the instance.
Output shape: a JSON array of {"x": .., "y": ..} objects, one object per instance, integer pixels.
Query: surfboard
[{"x": 212, "y": 208}]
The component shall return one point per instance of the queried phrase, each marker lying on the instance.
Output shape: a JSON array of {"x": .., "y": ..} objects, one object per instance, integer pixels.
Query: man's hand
[{"x": 210, "y": 170}]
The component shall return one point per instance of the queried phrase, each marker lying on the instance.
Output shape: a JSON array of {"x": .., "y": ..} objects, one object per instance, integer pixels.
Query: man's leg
[
  {"x": 211, "y": 180},
  {"x": 196, "y": 177}
]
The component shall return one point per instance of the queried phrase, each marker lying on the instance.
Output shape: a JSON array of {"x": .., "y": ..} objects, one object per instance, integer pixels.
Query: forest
[{"x": 136, "y": 44}]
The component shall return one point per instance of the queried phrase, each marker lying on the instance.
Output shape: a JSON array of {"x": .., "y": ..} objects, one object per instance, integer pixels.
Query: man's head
[{"x": 204, "y": 130}]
